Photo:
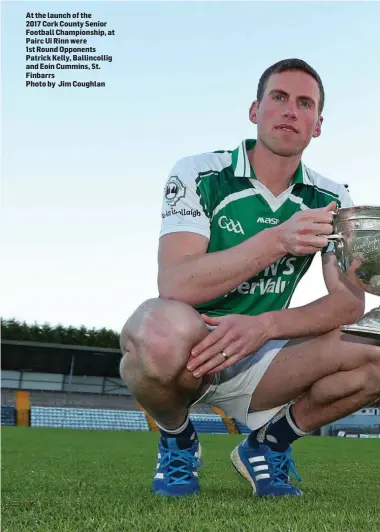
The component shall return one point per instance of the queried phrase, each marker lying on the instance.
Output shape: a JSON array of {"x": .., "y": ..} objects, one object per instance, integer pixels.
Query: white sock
[{"x": 175, "y": 431}]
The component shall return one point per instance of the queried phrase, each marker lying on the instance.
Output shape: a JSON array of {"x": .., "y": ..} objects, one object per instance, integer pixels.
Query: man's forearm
[
  {"x": 316, "y": 318},
  {"x": 200, "y": 279}
]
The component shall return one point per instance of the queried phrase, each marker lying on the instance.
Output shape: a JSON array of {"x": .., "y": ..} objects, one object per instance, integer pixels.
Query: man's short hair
[{"x": 291, "y": 64}]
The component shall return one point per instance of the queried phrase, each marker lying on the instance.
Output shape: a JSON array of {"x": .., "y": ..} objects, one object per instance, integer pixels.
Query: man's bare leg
[
  {"x": 156, "y": 342},
  {"x": 321, "y": 406},
  {"x": 326, "y": 369},
  {"x": 329, "y": 378}
]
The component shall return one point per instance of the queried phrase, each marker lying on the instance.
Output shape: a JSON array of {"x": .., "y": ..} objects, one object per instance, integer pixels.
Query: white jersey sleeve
[{"x": 182, "y": 208}]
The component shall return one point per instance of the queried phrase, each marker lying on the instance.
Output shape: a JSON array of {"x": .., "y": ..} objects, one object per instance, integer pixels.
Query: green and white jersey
[{"x": 218, "y": 196}]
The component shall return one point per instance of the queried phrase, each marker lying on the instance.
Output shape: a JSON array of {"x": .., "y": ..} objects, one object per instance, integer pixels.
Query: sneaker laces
[
  {"x": 282, "y": 464},
  {"x": 180, "y": 463}
]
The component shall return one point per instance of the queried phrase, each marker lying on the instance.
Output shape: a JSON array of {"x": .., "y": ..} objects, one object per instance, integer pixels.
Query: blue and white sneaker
[
  {"x": 176, "y": 472},
  {"x": 267, "y": 471}
]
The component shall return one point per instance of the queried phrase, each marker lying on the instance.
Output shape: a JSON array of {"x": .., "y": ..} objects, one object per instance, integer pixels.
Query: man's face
[{"x": 287, "y": 117}]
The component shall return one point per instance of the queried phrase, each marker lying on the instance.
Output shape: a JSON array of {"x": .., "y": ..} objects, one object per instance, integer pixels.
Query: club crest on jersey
[{"x": 174, "y": 190}]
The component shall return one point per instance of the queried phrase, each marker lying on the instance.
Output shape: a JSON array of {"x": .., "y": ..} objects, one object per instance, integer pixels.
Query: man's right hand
[{"x": 306, "y": 232}]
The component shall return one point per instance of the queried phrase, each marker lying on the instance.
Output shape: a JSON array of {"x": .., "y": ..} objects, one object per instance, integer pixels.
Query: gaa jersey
[{"x": 217, "y": 195}]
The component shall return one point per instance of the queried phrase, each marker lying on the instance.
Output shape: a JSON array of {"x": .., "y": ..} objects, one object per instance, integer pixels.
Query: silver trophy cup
[{"x": 356, "y": 237}]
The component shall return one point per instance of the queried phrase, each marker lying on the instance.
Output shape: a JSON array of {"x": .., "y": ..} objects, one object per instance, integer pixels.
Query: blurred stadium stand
[
  {"x": 64, "y": 375},
  {"x": 80, "y": 387},
  {"x": 87, "y": 418},
  {"x": 73, "y": 399},
  {"x": 243, "y": 429},
  {"x": 8, "y": 415},
  {"x": 365, "y": 422}
]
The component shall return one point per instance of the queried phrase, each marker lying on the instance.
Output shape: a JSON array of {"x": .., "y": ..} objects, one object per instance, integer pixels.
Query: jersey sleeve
[
  {"x": 183, "y": 208},
  {"x": 344, "y": 201}
]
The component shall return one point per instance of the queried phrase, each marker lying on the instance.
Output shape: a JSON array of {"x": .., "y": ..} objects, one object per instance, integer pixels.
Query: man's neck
[{"x": 274, "y": 171}]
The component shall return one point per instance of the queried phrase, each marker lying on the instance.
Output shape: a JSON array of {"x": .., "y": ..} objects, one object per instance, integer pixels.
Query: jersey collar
[{"x": 242, "y": 168}]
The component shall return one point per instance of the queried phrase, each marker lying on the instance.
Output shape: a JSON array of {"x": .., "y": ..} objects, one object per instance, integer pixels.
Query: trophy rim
[
  {"x": 358, "y": 207},
  {"x": 360, "y": 330},
  {"x": 356, "y": 212}
]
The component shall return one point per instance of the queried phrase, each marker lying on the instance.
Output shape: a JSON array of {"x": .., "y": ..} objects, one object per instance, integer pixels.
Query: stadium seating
[
  {"x": 133, "y": 420},
  {"x": 83, "y": 418},
  {"x": 243, "y": 429},
  {"x": 81, "y": 400},
  {"x": 210, "y": 423},
  {"x": 86, "y": 418},
  {"x": 359, "y": 424},
  {"x": 8, "y": 415},
  {"x": 101, "y": 419}
]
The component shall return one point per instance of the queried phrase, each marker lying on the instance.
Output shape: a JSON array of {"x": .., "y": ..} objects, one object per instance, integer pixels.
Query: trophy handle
[
  {"x": 341, "y": 258},
  {"x": 335, "y": 238}
]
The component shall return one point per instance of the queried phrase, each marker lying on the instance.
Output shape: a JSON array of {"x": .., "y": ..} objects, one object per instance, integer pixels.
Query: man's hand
[
  {"x": 235, "y": 335},
  {"x": 306, "y": 231}
]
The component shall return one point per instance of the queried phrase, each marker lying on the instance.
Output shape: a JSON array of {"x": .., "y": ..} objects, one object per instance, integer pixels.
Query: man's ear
[
  {"x": 318, "y": 128},
  {"x": 253, "y": 112}
]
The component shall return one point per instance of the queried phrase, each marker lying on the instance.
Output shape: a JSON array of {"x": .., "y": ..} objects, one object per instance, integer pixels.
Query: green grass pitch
[{"x": 57, "y": 480}]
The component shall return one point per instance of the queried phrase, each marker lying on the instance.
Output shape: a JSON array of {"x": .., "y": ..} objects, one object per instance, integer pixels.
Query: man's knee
[{"x": 158, "y": 338}]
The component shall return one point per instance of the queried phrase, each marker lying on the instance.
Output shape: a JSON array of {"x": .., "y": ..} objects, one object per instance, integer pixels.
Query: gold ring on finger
[{"x": 224, "y": 355}]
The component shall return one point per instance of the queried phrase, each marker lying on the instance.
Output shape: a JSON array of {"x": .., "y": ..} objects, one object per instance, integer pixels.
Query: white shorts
[{"x": 233, "y": 387}]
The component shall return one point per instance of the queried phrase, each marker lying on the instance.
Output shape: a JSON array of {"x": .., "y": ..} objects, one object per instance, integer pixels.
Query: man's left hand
[{"x": 235, "y": 336}]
